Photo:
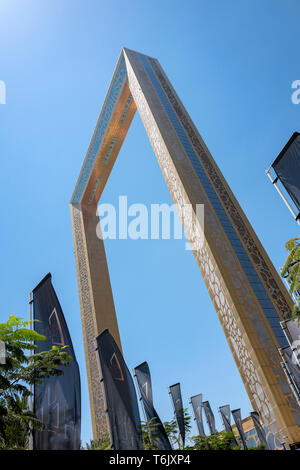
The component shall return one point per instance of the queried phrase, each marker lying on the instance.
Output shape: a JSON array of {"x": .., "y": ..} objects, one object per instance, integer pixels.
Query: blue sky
[{"x": 232, "y": 64}]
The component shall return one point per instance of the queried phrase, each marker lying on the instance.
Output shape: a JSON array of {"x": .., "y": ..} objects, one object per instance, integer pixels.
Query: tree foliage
[
  {"x": 103, "y": 443},
  {"x": 291, "y": 271},
  {"x": 20, "y": 370},
  {"x": 260, "y": 446},
  {"x": 149, "y": 433},
  {"x": 172, "y": 430},
  {"x": 216, "y": 441}
]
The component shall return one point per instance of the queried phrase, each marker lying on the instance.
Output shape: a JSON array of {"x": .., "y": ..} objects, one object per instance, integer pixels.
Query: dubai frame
[{"x": 248, "y": 294}]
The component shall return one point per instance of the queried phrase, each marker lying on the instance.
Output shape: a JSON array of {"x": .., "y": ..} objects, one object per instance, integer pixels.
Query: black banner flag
[
  {"x": 259, "y": 429},
  {"x": 239, "y": 425},
  {"x": 121, "y": 400},
  {"x": 226, "y": 418},
  {"x": 209, "y": 417},
  {"x": 293, "y": 369},
  {"x": 293, "y": 328},
  {"x": 57, "y": 400},
  {"x": 175, "y": 393},
  {"x": 292, "y": 332},
  {"x": 225, "y": 415},
  {"x": 287, "y": 168},
  {"x": 196, "y": 402},
  {"x": 143, "y": 378}
]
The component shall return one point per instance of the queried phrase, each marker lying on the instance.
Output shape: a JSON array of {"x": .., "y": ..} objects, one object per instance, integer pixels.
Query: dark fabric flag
[
  {"x": 210, "y": 418},
  {"x": 292, "y": 368},
  {"x": 225, "y": 415},
  {"x": 57, "y": 400},
  {"x": 121, "y": 400},
  {"x": 239, "y": 425},
  {"x": 226, "y": 418},
  {"x": 259, "y": 429},
  {"x": 287, "y": 168},
  {"x": 178, "y": 409},
  {"x": 143, "y": 377},
  {"x": 196, "y": 402},
  {"x": 292, "y": 327}
]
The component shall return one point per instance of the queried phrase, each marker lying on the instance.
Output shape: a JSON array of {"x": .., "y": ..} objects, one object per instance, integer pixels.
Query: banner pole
[
  {"x": 174, "y": 415},
  {"x": 296, "y": 217},
  {"x": 139, "y": 394},
  {"x": 141, "y": 401},
  {"x": 31, "y": 399}
]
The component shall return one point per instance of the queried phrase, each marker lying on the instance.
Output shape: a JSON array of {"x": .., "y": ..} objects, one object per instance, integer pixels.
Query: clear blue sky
[{"x": 232, "y": 63}]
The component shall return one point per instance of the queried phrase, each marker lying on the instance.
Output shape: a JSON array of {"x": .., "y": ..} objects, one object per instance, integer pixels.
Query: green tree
[
  {"x": 259, "y": 447},
  {"x": 291, "y": 271},
  {"x": 172, "y": 429},
  {"x": 149, "y": 433},
  {"x": 16, "y": 429},
  {"x": 216, "y": 441},
  {"x": 20, "y": 370},
  {"x": 103, "y": 443}
]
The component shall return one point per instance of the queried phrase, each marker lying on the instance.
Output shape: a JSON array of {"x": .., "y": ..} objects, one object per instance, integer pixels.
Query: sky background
[{"x": 232, "y": 64}]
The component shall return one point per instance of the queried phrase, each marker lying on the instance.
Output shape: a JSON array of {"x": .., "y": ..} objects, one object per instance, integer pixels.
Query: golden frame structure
[{"x": 247, "y": 292}]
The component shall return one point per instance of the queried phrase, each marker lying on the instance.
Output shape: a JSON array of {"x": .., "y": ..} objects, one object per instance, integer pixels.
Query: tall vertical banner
[
  {"x": 143, "y": 378},
  {"x": 225, "y": 415},
  {"x": 196, "y": 402},
  {"x": 226, "y": 418},
  {"x": 210, "y": 418},
  {"x": 293, "y": 369},
  {"x": 292, "y": 327},
  {"x": 57, "y": 400},
  {"x": 287, "y": 168},
  {"x": 239, "y": 425},
  {"x": 259, "y": 429},
  {"x": 175, "y": 393},
  {"x": 121, "y": 400}
]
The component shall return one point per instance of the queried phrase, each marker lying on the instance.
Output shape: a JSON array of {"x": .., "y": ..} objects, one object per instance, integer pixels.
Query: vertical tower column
[
  {"x": 96, "y": 303},
  {"x": 248, "y": 295}
]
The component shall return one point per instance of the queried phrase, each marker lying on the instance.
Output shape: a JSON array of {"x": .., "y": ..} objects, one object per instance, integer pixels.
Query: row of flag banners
[
  {"x": 57, "y": 400},
  {"x": 122, "y": 404}
]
